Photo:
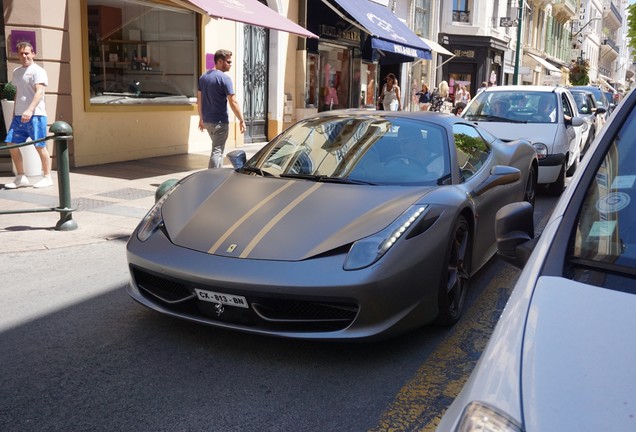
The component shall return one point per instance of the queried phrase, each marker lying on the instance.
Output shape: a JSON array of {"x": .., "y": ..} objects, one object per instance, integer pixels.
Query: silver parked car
[
  {"x": 546, "y": 116},
  {"x": 561, "y": 357},
  {"x": 591, "y": 112}
]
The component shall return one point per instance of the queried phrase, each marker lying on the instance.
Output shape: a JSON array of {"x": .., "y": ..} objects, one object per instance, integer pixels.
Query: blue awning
[{"x": 388, "y": 33}]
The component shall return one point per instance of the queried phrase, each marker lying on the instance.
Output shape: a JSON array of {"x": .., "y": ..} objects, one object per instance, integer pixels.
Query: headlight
[
  {"x": 153, "y": 219},
  {"x": 479, "y": 417},
  {"x": 541, "y": 149},
  {"x": 365, "y": 252}
]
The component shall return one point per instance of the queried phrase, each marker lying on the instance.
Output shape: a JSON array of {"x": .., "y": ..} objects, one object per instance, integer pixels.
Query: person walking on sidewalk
[
  {"x": 390, "y": 95},
  {"x": 214, "y": 94},
  {"x": 439, "y": 97},
  {"x": 29, "y": 116}
]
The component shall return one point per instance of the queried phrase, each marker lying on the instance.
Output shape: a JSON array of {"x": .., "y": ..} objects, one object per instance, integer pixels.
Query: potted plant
[
  {"x": 8, "y": 91},
  {"x": 8, "y": 97}
]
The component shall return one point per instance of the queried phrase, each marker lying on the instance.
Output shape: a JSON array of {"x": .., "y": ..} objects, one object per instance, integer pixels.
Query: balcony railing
[
  {"x": 611, "y": 43},
  {"x": 609, "y": 8},
  {"x": 462, "y": 16}
]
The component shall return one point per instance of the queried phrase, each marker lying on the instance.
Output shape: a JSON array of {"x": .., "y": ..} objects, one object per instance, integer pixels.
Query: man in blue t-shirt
[{"x": 214, "y": 94}]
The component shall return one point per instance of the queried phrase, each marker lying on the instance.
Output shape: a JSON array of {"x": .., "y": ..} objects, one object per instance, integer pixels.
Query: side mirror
[
  {"x": 237, "y": 158},
  {"x": 514, "y": 230},
  {"x": 576, "y": 121}
]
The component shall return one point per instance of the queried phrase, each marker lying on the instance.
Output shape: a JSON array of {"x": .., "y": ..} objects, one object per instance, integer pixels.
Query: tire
[
  {"x": 557, "y": 187},
  {"x": 530, "y": 193},
  {"x": 454, "y": 284}
]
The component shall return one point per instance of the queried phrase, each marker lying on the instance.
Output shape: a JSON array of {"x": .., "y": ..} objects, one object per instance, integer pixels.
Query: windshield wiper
[
  {"x": 255, "y": 170},
  {"x": 493, "y": 118},
  {"x": 326, "y": 179}
]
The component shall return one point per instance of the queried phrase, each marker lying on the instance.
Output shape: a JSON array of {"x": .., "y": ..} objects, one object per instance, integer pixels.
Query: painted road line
[{"x": 421, "y": 402}]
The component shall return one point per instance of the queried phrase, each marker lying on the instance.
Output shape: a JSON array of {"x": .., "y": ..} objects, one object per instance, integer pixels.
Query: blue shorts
[{"x": 20, "y": 132}]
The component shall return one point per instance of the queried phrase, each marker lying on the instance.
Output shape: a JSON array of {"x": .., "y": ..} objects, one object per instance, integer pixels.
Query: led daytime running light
[{"x": 401, "y": 229}]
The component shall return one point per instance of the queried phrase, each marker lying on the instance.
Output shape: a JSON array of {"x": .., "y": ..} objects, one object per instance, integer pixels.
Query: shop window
[
  {"x": 461, "y": 11},
  {"x": 456, "y": 80},
  {"x": 141, "y": 53},
  {"x": 334, "y": 73},
  {"x": 311, "y": 100}
]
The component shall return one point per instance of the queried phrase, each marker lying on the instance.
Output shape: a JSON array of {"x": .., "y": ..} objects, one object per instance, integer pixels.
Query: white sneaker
[
  {"x": 45, "y": 181},
  {"x": 20, "y": 181}
]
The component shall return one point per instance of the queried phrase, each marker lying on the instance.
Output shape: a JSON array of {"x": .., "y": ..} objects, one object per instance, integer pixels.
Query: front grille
[
  {"x": 290, "y": 310},
  {"x": 267, "y": 313},
  {"x": 167, "y": 291}
]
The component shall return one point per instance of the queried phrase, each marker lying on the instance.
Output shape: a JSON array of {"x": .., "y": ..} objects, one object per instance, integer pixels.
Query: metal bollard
[{"x": 62, "y": 133}]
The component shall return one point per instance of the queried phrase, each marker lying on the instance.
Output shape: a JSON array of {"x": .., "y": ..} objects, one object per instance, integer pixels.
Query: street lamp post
[{"x": 515, "y": 77}]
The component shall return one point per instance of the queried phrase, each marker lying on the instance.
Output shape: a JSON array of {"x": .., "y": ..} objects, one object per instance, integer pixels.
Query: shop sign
[
  {"x": 16, "y": 36},
  {"x": 401, "y": 49},
  {"x": 337, "y": 33},
  {"x": 464, "y": 53}
]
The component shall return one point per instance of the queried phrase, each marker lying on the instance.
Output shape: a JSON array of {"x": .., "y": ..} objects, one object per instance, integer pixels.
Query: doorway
[{"x": 255, "y": 78}]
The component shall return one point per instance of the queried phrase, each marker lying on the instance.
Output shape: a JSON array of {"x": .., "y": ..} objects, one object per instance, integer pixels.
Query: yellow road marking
[
  {"x": 267, "y": 228},
  {"x": 238, "y": 223},
  {"x": 421, "y": 402}
]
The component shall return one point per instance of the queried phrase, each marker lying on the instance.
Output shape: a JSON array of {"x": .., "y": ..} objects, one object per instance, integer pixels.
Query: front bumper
[
  {"x": 550, "y": 167},
  {"x": 310, "y": 299}
]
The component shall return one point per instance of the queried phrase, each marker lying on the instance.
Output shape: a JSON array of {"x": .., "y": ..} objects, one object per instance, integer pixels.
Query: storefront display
[{"x": 141, "y": 54}]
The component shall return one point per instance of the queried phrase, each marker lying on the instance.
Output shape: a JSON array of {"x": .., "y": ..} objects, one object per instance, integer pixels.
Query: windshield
[
  {"x": 513, "y": 107},
  {"x": 604, "y": 241},
  {"x": 368, "y": 149},
  {"x": 581, "y": 100}
]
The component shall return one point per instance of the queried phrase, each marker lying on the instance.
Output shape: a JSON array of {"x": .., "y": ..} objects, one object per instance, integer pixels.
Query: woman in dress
[
  {"x": 462, "y": 95},
  {"x": 390, "y": 95}
]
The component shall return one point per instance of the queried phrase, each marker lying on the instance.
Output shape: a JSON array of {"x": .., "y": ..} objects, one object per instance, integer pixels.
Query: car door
[
  {"x": 474, "y": 157},
  {"x": 573, "y": 135}
]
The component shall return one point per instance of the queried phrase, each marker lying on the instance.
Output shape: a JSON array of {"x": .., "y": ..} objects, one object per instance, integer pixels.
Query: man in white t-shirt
[{"x": 29, "y": 116}]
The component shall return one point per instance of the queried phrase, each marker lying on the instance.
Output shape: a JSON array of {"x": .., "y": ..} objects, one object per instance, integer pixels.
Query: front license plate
[{"x": 225, "y": 299}]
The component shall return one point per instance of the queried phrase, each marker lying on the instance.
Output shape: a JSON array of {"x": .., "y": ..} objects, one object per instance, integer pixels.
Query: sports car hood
[
  {"x": 578, "y": 363},
  {"x": 225, "y": 213}
]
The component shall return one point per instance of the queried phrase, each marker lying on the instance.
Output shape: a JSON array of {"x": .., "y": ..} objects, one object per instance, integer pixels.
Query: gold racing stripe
[
  {"x": 238, "y": 223},
  {"x": 267, "y": 228}
]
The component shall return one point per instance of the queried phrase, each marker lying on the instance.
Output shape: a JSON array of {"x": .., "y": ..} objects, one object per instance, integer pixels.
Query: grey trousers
[{"x": 218, "y": 133}]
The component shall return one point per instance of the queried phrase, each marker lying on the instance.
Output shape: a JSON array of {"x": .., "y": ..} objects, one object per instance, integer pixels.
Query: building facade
[{"x": 124, "y": 73}]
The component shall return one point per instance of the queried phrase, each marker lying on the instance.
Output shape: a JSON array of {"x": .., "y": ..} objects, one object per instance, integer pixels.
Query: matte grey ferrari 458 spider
[{"x": 348, "y": 225}]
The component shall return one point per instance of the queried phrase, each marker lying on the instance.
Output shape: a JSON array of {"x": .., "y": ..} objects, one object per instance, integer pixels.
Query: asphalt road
[{"x": 78, "y": 354}]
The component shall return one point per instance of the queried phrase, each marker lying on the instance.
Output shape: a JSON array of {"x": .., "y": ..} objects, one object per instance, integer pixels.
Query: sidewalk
[{"x": 109, "y": 201}]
